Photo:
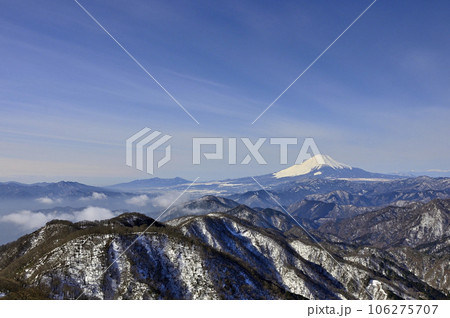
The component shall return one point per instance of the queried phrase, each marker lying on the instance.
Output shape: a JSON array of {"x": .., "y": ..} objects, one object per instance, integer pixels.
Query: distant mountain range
[
  {"x": 62, "y": 189},
  {"x": 335, "y": 189},
  {"x": 317, "y": 167},
  {"x": 150, "y": 184},
  {"x": 364, "y": 193},
  {"x": 318, "y": 230}
]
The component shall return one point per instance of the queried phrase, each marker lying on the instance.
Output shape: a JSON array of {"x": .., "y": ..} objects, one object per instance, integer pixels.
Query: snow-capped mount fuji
[
  {"x": 312, "y": 165},
  {"x": 323, "y": 166}
]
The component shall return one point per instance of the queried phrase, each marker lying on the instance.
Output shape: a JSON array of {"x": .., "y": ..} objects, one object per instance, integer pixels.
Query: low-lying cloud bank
[
  {"x": 47, "y": 200},
  {"x": 29, "y": 220},
  {"x": 170, "y": 198},
  {"x": 95, "y": 196},
  {"x": 140, "y": 200}
]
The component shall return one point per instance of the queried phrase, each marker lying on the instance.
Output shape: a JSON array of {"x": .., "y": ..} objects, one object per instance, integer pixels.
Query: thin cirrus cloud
[{"x": 29, "y": 220}]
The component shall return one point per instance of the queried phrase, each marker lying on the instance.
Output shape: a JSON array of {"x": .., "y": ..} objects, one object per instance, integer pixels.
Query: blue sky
[{"x": 69, "y": 96}]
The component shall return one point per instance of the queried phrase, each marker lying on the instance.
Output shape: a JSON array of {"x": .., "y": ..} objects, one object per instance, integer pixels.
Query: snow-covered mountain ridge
[{"x": 237, "y": 254}]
